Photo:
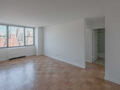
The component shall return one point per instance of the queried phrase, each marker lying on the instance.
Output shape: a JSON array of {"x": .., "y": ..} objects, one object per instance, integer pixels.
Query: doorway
[{"x": 98, "y": 46}]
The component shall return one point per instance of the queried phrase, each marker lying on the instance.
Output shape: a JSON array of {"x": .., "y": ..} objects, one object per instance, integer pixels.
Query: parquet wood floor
[{"x": 44, "y": 73}]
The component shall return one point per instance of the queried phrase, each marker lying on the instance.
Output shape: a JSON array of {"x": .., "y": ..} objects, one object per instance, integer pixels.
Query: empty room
[{"x": 59, "y": 45}]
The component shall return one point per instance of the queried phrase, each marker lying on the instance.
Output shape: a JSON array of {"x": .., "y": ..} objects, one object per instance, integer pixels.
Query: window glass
[
  {"x": 29, "y": 36},
  {"x": 16, "y": 36},
  {"x": 3, "y": 36}
]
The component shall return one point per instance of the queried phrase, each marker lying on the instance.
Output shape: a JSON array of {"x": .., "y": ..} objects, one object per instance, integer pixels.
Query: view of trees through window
[{"x": 15, "y": 36}]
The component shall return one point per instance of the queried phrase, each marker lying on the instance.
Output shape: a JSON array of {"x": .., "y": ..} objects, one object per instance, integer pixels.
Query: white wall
[
  {"x": 94, "y": 45},
  {"x": 112, "y": 66},
  {"x": 88, "y": 45},
  {"x": 39, "y": 40},
  {"x": 95, "y": 22},
  {"x": 7, "y": 53},
  {"x": 66, "y": 43}
]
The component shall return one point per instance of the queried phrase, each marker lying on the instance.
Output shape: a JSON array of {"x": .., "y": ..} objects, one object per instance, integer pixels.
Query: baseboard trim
[
  {"x": 112, "y": 80},
  {"x": 17, "y": 57},
  {"x": 56, "y": 58}
]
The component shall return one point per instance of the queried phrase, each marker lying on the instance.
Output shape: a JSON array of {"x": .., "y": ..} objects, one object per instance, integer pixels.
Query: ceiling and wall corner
[{"x": 47, "y": 12}]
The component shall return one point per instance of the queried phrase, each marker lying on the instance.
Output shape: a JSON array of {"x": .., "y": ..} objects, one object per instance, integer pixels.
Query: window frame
[
  {"x": 8, "y": 36},
  {"x": 7, "y": 31},
  {"x": 33, "y": 37}
]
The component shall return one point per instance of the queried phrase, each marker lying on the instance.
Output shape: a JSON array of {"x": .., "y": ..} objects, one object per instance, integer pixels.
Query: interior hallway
[
  {"x": 100, "y": 61},
  {"x": 44, "y": 73},
  {"x": 100, "y": 46}
]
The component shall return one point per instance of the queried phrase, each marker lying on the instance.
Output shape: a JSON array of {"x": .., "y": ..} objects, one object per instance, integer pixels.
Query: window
[
  {"x": 3, "y": 36},
  {"x": 16, "y": 36},
  {"x": 29, "y": 36}
]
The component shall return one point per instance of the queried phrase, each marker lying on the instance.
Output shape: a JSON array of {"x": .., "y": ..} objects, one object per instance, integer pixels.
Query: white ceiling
[{"x": 47, "y": 12}]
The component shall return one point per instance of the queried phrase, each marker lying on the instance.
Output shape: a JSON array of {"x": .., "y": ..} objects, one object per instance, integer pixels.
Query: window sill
[{"x": 32, "y": 46}]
